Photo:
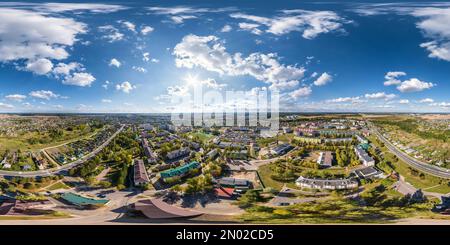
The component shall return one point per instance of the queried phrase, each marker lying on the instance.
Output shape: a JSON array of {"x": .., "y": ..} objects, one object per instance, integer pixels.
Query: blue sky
[{"x": 132, "y": 57}]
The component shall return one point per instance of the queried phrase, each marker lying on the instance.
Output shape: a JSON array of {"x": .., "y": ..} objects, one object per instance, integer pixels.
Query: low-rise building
[
  {"x": 364, "y": 156},
  {"x": 368, "y": 173},
  {"x": 140, "y": 173},
  {"x": 325, "y": 159},
  {"x": 281, "y": 149},
  {"x": 326, "y": 184},
  {"x": 180, "y": 171},
  {"x": 241, "y": 184},
  {"x": 178, "y": 153}
]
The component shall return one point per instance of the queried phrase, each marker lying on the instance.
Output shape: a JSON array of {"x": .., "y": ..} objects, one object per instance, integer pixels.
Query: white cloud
[
  {"x": 445, "y": 105},
  {"x": 435, "y": 26},
  {"x": 380, "y": 95},
  {"x": 323, "y": 79},
  {"x": 106, "y": 101},
  {"x": 6, "y": 106},
  {"x": 16, "y": 97},
  {"x": 40, "y": 66},
  {"x": 253, "y": 28},
  {"x": 433, "y": 23},
  {"x": 146, "y": 56},
  {"x": 177, "y": 90},
  {"x": 309, "y": 23},
  {"x": 178, "y": 14},
  {"x": 301, "y": 92},
  {"x": 115, "y": 62},
  {"x": 426, "y": 100},
  {"x": 49, "y": 38},
  {"x": 391, "y": 77},
  {"x": 78, "y": 7},
  {"x": 112, "y": 34},
  {"x": 125, "y": 87},
  {"x": 44, "y": 94},
  {"x": 414, "y": 85},
  {"x": 403, "y": 101},
  {"x": 130, "y": 26},
  {"x": 106, "y": 84},
  {"x": 139, "y": 69},
  {"x": 66, "y": 69},
  {"x": 208, "y": 53},
  {"x": 181, "y": 18},
  {"x": 356, "y": 99},
  {"x": 153, "y": 60},
  {"x": 226, "y": 28},
  {"x": 81, "y": 79},
  {"x": 147, "y": 30}
]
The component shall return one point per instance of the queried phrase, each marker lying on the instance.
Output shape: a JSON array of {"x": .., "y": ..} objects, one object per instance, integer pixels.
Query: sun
[{"x": 191, "y": 80}]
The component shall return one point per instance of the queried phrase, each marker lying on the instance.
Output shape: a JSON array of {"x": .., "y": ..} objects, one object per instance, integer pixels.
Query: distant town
[{"x": 140, "y": 168}]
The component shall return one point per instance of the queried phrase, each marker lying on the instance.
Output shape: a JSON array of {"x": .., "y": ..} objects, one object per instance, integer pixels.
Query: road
[
  {"x": 59, "y": 169},
  {"x": 412, "y": 162},
  {"x": 406, "y": 188}
]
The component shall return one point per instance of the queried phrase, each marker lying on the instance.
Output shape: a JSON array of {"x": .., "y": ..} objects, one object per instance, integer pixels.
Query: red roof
[{"x": 224, "y": 192}]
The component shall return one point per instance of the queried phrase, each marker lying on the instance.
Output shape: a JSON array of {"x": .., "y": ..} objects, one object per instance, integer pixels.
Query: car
[{"x": 101, "y": 195}]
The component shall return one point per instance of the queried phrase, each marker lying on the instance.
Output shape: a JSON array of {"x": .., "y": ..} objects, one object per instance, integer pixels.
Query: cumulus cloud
[
  {"x": 208, "y": 53},
  {"x": 444, "y": 105},
  {"x": 16, "y": 97},
  {"x": 81, "y": 79},
  {"x": 66, "y": 69},
  {"x": 426, "y": 100},
  {"x": 392, "y": 78},
  {"x": 139, "y": 69},
  {"x": 309, "y": 23},
  {"x": 380, "y": 95},
  {"x": 44, "y": 94},
  {"x": 356, "y": 99},
  {"x": 226, "y": 28},
  {"x": 435, "y": 26},
  {"x": 410, "y": 85},
  {"x": 414, "y": 85},
  {"x": 106, "y": 101},
  {"x": 129, "y": 25},
  {"x": 125, "y": 87},
  {"x": 323, "y": 79},
  {"x": 147, "y": 30},
  {"x": 49, "y": 38},
  {"x": 40, "y": 66},
  {"x": 111, "y": 33},
  {"x": 301, "y": 92},
  {"x": 404, "y": 101},
  {"x": 115, "y": 62},
  {"x": 146, "y": 56},
  {"x": 433, "y": 23},
  {"x": 253, "y": 28},
  {"x": 6, "y": 106}
]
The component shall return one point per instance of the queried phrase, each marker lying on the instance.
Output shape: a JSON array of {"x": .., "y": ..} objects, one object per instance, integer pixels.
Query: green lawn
[
  {"x": 265, "y": 172},
  {"x": 56, "y": 186},
  {"x": 204, "y": 137},
  {"x": 337, "y": 210},
  {"x": 22, "y": 143}
]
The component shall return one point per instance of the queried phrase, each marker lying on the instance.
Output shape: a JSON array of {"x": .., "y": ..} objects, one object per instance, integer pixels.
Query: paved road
[
  {"x": 421, "y": 166},
  {"x": 59, "y": 169}
]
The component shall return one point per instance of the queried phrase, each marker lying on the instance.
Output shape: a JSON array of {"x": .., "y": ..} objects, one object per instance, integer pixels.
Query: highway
[
  {"x": 59, "y": 169},
  {"x": 412, "y": 162}
]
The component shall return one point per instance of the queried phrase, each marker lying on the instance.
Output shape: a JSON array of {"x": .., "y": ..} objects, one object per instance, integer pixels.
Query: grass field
[
  {"x": 22, "y": 142},
  {"x": 336, "y": 210},
  {"x": 56, "y": 186}
]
